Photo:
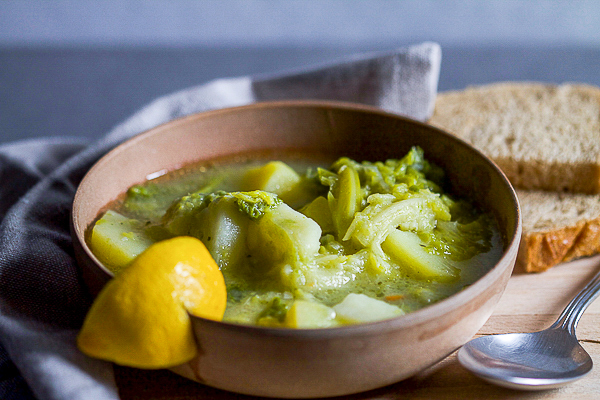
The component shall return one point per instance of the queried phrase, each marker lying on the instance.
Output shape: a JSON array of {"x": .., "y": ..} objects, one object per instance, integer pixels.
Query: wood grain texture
[{"x": 531, "y": 302}]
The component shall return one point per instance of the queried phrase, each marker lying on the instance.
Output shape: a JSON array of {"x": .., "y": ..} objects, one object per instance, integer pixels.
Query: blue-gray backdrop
[{"x": 78, "y": 67}]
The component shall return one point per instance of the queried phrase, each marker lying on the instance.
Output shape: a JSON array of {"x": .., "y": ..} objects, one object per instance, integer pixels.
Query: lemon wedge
[{"x": 140, "y": 318}]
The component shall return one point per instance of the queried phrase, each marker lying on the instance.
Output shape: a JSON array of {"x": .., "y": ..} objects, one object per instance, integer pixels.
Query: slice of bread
[
  {"x": 542, "y": 136},
  {"x": 557, "y": 227}
]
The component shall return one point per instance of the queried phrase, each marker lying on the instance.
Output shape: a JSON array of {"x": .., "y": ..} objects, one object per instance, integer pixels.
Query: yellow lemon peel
[{"x": 140, "y": 318}]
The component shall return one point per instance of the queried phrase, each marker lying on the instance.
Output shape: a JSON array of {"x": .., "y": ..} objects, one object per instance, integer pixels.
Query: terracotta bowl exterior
[{"x": 316, "y": 362}]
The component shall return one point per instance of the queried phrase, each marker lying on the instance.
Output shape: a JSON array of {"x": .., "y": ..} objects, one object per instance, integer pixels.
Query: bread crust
[{"x": 539, "y": 251}]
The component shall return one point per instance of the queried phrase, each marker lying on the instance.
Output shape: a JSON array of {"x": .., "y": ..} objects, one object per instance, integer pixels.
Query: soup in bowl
[{"x": 326, "y": 251}]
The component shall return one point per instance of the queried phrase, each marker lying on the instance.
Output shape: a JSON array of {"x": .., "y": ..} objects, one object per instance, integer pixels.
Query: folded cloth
[{"x": 42, "y": 299}]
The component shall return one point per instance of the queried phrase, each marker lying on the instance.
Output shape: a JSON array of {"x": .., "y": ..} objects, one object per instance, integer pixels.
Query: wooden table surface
[{"x": 530, "y": 302}]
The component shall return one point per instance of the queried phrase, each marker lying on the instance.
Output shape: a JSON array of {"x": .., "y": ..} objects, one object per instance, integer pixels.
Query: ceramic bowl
[{"x": 313, "y": 362}]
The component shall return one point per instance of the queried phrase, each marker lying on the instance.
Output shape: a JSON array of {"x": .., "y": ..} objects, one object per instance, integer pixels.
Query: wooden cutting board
[{"x": 530, "y": 303}]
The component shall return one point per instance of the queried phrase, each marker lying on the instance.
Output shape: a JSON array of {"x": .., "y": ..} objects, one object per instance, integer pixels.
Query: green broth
[
  {"x": 150, "y": 200},
  {"x": 264, "y": 295}
]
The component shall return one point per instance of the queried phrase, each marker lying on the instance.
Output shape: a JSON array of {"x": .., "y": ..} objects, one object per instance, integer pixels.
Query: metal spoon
[{"x": 534, "y": 361}]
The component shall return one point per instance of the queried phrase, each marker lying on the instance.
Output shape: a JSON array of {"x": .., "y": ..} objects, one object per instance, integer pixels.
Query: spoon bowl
[
  {"x": 535, "y": 361},
  {"x": 532, "y": 361}
]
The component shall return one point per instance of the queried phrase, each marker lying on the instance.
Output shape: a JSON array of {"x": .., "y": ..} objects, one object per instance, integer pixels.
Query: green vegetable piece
[
  {"x": 345, "y": 200},
  {"x": 360, "y": 308},
  {"x": 308, "y": 314},
  {"x": 458, "y": 241},
  {"x": 254, "y": 204},
  {"x": 116, "y": 240},
  {"x": 184, "y": 215},
  {"x": 408, "y": 251},
  {"x": 326, "y": 177},
  {"x": 274, "y": 313},
  {"x": 383, "y": 215},
  {"x": 380, "y": 177}
]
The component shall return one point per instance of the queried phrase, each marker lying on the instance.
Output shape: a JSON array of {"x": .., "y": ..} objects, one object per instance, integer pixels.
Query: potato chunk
[
  {"x": 116, "y": 240},
  {"x": 358, "y": 308},
  {"x": 223, "y": 230},
  {"x": 308, "y": 314},
  {"x": 283, "y": 236},
  {"x": 279, "y": 178},
  {"x": 318, "y": 210},
  {"x": 406, "y": 249}
]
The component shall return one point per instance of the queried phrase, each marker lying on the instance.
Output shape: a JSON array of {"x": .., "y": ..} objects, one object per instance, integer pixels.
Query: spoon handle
[{"x": 570, "y": 316}]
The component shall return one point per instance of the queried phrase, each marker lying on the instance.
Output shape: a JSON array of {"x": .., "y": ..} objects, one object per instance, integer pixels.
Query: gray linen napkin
[{"x": 42, "y": 299}]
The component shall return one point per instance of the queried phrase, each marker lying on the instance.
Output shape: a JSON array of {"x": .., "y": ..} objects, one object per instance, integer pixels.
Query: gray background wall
[
  {"x": 78, "y": 67},
  {"x": 297, "y": 22}
]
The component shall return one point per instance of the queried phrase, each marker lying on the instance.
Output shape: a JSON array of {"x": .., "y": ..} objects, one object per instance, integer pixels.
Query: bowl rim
[{"x": 377, "y": 327}]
